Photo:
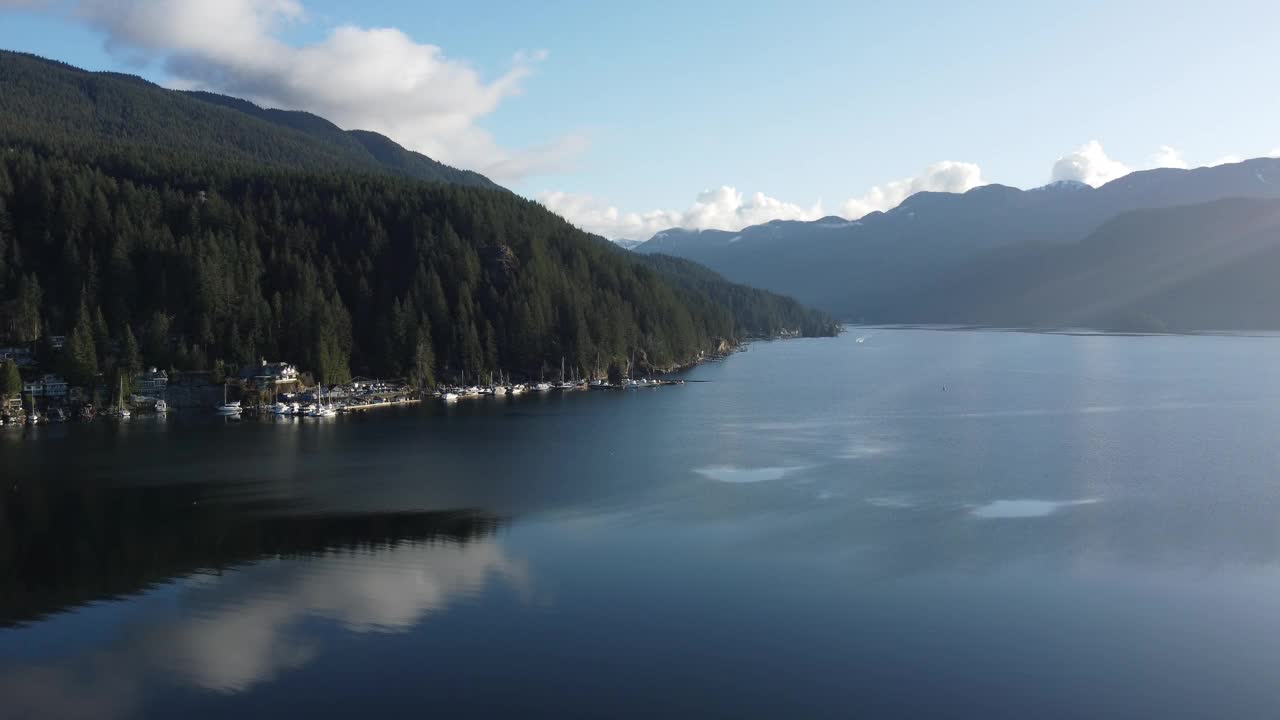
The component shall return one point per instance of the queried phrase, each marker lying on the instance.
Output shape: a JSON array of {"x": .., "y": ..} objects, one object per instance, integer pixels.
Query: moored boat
[{"x": 227, "y": 407}]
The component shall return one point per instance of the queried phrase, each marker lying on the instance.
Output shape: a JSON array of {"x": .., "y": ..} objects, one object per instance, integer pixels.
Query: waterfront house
[
  {"x": 153, "y": 383},
  {"x": 57, "y": 342},
  {"x": 50, "y": 386},
  {"x": 271, "y": 373}
]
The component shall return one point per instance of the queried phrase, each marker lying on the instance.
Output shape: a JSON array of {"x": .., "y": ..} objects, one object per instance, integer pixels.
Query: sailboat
[
  {"x": 321, "y": 410},
  {"x": 122, "y": 411},
  {"x": 228, "y": 408},
  {"x": 600, "y": 381},
  {"x": 33, "y": 417}
]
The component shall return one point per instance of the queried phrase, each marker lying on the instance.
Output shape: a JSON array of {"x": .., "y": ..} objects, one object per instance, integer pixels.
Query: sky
[{"x": 630, "y": 119}]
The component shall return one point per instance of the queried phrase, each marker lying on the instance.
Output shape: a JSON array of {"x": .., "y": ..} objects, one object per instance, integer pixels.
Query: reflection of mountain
[{"x": 63, "y": 547}]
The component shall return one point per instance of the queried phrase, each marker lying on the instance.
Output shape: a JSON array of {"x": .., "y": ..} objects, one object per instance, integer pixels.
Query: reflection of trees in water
[
  {"x": 62, "y": 547},
  {"x": 237, "y": 630}
]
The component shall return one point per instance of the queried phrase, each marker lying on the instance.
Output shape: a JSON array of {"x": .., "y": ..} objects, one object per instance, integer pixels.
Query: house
[
  {"x": 50, "y": 386},
  {"x": 57, "y": 342},
  {"x": 153, "y": 383},
  {"x": 21, "y": 356},
  {"x": 271, "y": 373},
  {"x": 54, "y": 386}
]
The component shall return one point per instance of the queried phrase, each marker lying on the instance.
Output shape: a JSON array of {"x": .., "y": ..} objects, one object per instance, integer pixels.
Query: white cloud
[
  {"x": 722, "y": 208},
  {"x": 1167, "y": 157},
  {"x": 1274, "y": 153},
  {"x": 376, "y": 79},
  {"x": 1089, "y": 165},
  {"x": 945, "y": 176},
  {"x": 1226, "y": 160}
]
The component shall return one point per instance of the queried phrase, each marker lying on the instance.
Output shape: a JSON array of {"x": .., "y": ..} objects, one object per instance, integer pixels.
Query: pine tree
[
  {"x": 80, "y": 355},
  {"x": 130, "y": 357},
  {"x": 30, "y": 300},
  {"x": 10, "y": 380},
  {"x": 424, "y": 364}
]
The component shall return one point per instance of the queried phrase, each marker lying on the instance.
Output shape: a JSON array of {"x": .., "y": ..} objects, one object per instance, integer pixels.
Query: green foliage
[
  {"x": 10, "y": 380},
  {"x": 222, "y": 258},
  {"x": 424, "y": 365},
  {"x": 80, "y": 356},
  {"x": 130, "y": 356},
  {"x": 29, "y": 301}
]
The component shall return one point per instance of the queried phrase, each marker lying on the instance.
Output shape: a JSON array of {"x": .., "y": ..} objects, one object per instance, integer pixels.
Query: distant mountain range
[{"x": 987, "y": 255}]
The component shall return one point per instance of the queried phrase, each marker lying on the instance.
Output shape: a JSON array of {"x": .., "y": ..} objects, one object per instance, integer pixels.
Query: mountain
[
  {"x": 1196, "y": 267},
  {"x": 172, "y": 229},
  {"x": 872, "y": 269},
  {"x": 48, "y": 102}
]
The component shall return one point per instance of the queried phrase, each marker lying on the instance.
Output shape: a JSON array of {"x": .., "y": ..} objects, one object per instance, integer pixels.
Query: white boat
[
  {"x": 542, "y": 386},
  {"x": 228, "y": 408},
  {"x": 162, "y": 407},
  {"x": 518, "y": 389},
  {"x": 321, "y": 410},
  {"x": 449, "y": 397}
]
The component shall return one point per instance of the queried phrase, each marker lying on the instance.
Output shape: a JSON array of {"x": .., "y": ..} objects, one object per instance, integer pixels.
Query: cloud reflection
[{"x": 248, "y": 626}]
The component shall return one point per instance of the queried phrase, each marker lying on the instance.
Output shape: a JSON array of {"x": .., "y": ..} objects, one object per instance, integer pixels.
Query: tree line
[{"x": 339, "y": 273}]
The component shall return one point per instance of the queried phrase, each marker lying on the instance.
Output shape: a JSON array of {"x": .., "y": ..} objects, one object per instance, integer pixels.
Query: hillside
[
  {"x": 182, "y": 258},
  {"x": 873, "y": 269},
  {"x": 1199, "y": 267},
  {"x": 52, "y": 105}
]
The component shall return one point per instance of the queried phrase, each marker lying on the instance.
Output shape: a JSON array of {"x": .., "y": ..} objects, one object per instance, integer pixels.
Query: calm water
[{"x": 953, "y": 524}]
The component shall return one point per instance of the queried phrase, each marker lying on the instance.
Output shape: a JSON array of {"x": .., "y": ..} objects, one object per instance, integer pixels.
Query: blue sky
[{"x": 647, "y": 107}]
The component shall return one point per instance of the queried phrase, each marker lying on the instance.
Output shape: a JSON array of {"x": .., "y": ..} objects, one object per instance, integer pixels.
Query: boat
[
  {"x": 162, "y": 407},
  {"x": 280, "y": 409},
  {"x": 122, "y": 412},
  {"x": 228, "y": 408},
  {"x": 321, "y": 410},
  {"x": 449, "y": 397}
]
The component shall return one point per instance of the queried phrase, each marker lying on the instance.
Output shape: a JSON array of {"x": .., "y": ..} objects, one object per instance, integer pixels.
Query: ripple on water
[
  {"x": 732, "y": 474},
  {"x": 1001, "y": 509}
]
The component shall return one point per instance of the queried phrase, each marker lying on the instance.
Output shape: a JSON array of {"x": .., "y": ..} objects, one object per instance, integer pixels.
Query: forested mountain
[
  {"x": 873, "y": 269},
  {"x": 1199, "y": 267},
  {"x": 48, "y": 103},
  {"x": 143, "y": 239}
]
